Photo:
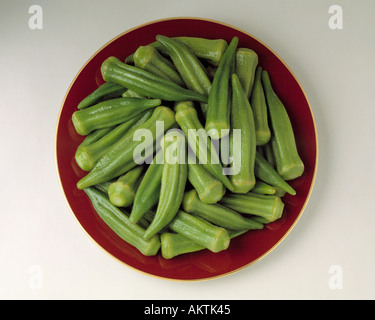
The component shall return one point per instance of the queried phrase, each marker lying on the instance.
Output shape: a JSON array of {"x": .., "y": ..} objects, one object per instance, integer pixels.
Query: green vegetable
[
  {"x": 268, "y": 153},
  {"x": 259, "y": 106},
  {"x": 199, "y": 141},
  {"x": 110, "y": 112},
  {"x": 200, "y": 231},
  {"x": 120, "y": 158},
  {"x": 246, "y": 63},
  {"x": 265, "y": 172},
  {"x": 288, "y": 162},
  {"x": 148, "y": 192},
  {"x": 243, "y": 178},
  {"x": 210, "y": 190},
  {"x": 210, "y": 50},
  {"x": 269, "y": 207},
  {"x": 120, "y": 224},
  {"x": 87, "y": 154},
  {"x": 121, "y": 192},
  {"x": 103, "y": 187},
  {"x": 173, "y": 181},
  {"x": 132, "y": 94},
  {"x": 146, "y": 83},
  {"x": 107, "y": 90},
  {"x": 263, "y": 188},
  {"x": 188, "y": 65},
  {"x": 219, "y": 99},
  {"x": 148, "y": 58},
  {"x": 217, "y": 214},
  {"x": 174, "y": 244}
]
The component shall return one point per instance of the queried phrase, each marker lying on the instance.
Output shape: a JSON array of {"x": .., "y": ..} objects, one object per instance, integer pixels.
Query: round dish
[{"x": 243, "y": 250}]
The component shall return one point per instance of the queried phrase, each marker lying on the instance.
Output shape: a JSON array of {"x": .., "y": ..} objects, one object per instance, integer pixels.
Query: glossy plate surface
[{"x": 243, "y": 250}]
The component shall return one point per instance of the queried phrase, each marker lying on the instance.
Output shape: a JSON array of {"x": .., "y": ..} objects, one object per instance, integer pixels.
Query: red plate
[{"x": 243, "y": 250}]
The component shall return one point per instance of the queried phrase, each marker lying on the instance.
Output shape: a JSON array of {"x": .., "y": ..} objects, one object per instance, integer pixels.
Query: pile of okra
[{"x": 162, "y": 92}]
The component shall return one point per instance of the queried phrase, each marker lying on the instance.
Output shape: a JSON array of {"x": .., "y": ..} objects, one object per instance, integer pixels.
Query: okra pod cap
[{"x": 121, "y": 192}]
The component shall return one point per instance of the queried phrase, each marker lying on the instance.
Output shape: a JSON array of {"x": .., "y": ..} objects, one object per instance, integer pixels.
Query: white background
[{"x": 37, "y": 229}]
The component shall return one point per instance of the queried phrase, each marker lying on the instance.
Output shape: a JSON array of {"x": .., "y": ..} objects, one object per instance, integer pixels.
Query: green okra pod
[
  {"x": 188, "y": 65},
  {"x": 146, "y": 83},
  {"x": 200, "y": 142},
  {"x": 118, "y": 221},
  {"x": 246, "y": 64},
  {"x": 110, "y": 112},
  {"x": 103, "y": 187},
  {"x": 210, "y": 50},
  {"x": 269, "y": 207},
  {"x": 218, "y": 106},
  {"x": 132, "y": 94},
  {"x": 175, "y": 244},
  {"x": 263, "y": 188},
  {"x": 259, "y": 106},
  {"x": 87, "y": 154},
  {"x": 209, "y": 189},
  {"x": 268, "y": 153},
  {"x": 217, "y": 213},
  {"x": 288, "y": 162},
  {"x": 148, "y": 58},
  {"x": 173, "y": 181},
  {"x": 107, "y": 90},
  {"x": 122, "y": 156},
  {"x": 148, "y": 192},
  {"x": 200, "y": 231},
  {"x": 242, "y": 177},
  {"x": 95, "y": 135},
  {"x": 267, "y": 173},
  {"x": 121, "y": 192}
]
